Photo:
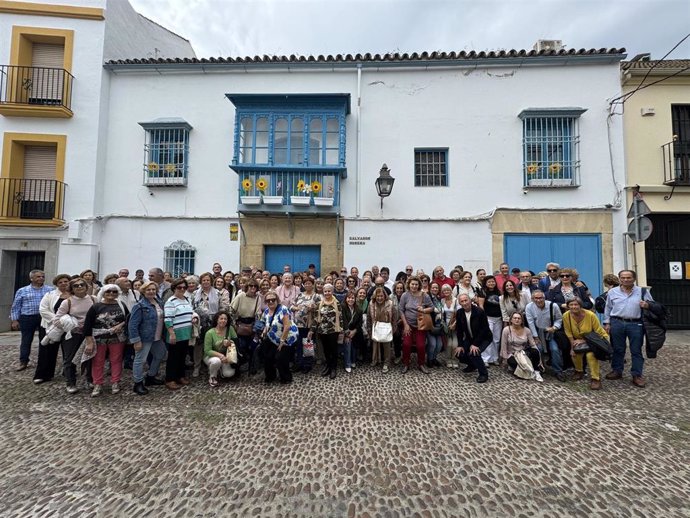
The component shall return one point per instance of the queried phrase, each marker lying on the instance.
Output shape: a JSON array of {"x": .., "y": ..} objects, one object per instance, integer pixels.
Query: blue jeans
[
  {"x": 634, "y": 333},
  {"x": 157, "y": 350},
  {"x": 28, "y": 325},
  {"x": 556, "y": 357},
  {"x": 433, "y": 346},
  {"x": 349, "y": 353}
]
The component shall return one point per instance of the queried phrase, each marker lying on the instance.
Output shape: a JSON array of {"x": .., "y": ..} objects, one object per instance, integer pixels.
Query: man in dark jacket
[{"x": 474, "y": 335}]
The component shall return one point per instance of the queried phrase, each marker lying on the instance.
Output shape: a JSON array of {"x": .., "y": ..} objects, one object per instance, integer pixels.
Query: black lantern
[{"x": 384, "y": 183}]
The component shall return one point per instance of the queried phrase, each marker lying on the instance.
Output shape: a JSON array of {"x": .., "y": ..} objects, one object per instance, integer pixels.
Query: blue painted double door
[
  {"x": 579, "y": 251},
  {"x": 298, "y": 257}
]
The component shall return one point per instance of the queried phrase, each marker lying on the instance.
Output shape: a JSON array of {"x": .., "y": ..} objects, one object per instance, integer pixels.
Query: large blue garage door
[
  {"x": 579, "y": 251},
  {"x": 298, "y": 257}
]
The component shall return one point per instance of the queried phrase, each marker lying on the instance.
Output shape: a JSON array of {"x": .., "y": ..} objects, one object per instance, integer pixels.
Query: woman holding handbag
[
  {"x": 279, "y": 337},
  {"x": 434, "y": 338},
  {"x": 328, "y": 325},
  {"x": 383, "y": 317},
  {"x": 217, "y": 341},
  {"x": 245, "y": 308},
  {"x": 577, "y": 322},
  {"x": 303, "y": 310},
  {"x": 517, "y": 339},
  {"x": 352, "y": 324},
  {"x": 415, "y": 309}
]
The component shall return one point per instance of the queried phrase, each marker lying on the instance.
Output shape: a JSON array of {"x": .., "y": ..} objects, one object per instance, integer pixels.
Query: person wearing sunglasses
[
  {"x": 566, "y": 290},
  {"x": 551, "y": 279},
  {"x": 178, "y": 325},
  {"x": 76, "y": 306},
  {"x": 279, "y": 337},
  {"x": 104, "y": 331}
]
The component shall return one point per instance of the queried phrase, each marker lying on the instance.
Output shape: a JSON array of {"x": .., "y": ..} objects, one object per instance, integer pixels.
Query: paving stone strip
[{"x": 364, "y": 444}]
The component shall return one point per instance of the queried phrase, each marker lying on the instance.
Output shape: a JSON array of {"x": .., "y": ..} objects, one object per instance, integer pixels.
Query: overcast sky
[{"x": 249, "y": 27}]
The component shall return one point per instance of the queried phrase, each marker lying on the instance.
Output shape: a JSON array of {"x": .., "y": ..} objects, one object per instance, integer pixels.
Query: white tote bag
[{"x": 382, "y": 332}]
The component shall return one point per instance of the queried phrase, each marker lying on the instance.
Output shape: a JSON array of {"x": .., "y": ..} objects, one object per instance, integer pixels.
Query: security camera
[
  {"x": 525, "y": 190},
  {"x": 150, "y": 192}
]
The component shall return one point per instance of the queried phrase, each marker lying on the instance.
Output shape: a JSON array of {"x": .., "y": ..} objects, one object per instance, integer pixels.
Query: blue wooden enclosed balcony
[{"x": 289, "y": 152}]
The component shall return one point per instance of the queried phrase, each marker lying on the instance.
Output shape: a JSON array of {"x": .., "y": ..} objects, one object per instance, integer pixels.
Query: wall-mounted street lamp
[{"x": 384, "y": 183}]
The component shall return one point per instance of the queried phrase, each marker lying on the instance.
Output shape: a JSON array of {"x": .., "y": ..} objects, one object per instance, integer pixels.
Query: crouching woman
[
  {"x": 577, "y": 322},
  {"x": 216, "y": 343}
]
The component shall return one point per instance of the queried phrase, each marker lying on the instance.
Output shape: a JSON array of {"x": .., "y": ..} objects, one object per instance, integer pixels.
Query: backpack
[{"x": 600, "y": 302}]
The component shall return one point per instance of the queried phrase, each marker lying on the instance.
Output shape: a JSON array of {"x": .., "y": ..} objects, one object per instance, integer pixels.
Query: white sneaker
[
  {"x": 38, "y": 381},
  {"x": 115, "y": 388},
  {"x": 537, "y": 376},
  {"x": 96, "y": 391},
  {"x": 71, "y": 389},
  {"x": 348, "y": 369},
  {"x": 353, "y": 365},
  {"x": 385, "y": 368}
]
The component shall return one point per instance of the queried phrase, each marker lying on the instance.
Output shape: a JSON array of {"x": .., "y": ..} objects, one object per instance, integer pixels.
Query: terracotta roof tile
[{"x": 367, "y": 57}]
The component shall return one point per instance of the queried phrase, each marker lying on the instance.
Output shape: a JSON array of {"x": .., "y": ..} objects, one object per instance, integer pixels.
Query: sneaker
[
  {"x": 72, "y": 389},
  {"x": 385, "y": 368},
  {"x": 88, "y": 385},
  {"x": 213, "y": 381},
  {"x": 38, "y": 381},
  {"x": 449, "y": 365},
  {"x": 348, "y": 369},
  {"x": 115, "y": 388},
  {"x": 537, "y": 376},
  {"x": 195, "y": 373},
  {"x": 96, "y": 391},
  {"x": 405, "y": 368},
  {"x": 424, "y": 369},
  {"x": 353, "y": 365}
]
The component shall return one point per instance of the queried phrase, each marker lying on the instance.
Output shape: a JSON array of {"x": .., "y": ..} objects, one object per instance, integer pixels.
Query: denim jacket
[{"x": 143, "y": 321}]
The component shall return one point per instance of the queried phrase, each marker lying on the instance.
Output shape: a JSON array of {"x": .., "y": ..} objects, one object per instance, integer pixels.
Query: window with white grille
[
  {"x": 551, "y": 147},
  {"x": 166, "y": 152},
  {"x": 431, "y": 167},
  {"x": 179, "y": 258}
]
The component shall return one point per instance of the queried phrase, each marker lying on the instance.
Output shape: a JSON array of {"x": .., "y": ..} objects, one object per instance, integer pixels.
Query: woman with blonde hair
[
  {"x": 577, "y": 322},
  {"x": 328, "y": 324},
  {"x": 145, "y": 330},
  {"x": 383, "y": 319}
]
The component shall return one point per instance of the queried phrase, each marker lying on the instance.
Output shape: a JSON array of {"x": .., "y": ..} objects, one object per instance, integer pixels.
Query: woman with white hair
[
  {"x": 287, "y": 291},
  {"x": 328, "y": 324},
  {"x": 104, "y": 331}
]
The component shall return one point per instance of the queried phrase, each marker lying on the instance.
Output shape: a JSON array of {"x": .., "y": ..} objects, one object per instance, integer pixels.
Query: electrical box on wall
[{"x": 646, "y": 112}]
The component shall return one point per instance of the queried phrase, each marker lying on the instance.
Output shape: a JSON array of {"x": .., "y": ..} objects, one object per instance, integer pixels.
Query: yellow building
[{"x": 657, "y": 152}]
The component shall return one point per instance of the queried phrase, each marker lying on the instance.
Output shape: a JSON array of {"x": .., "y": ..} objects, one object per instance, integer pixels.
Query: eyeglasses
[
  {"x": 271, "y": 301},
  {"x": 565, "y": 275},
  {"x": 180, "y": 287},
  {"x": 343, "y": 271},
  {"x": 552, "y": 270},
  {"x": 111, "y": 291},
  {"x": 79, "y": 285},
  {"x": 408, "y": 269}
]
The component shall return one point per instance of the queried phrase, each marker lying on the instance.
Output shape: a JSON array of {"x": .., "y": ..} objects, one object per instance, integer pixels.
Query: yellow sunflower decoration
[
  {"x": 315, "y": 187},
  {"x": 247, "y": 184},
  {"x": 300, "y": 186},
  {"x": 555, "y": 168},
  {"x": 532, "y": 169},
  {"x": 170, "y": 168},
  {"x": 261, "y": 184},
  {"x": 153, "y": 167}
]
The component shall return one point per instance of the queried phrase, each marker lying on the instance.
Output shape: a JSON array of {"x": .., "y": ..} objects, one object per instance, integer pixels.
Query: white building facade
[
  {"x": 179, "y": 162},
  {"x": 495, "y": 156}
]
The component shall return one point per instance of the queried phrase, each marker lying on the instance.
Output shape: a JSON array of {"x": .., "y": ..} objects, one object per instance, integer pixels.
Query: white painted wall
[
  {"x": 472, "y": 112},
  {"x": 424, "y": 245}
]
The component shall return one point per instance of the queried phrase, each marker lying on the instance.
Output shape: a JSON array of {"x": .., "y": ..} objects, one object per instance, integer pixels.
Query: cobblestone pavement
[{"x": 366, "y": 444}]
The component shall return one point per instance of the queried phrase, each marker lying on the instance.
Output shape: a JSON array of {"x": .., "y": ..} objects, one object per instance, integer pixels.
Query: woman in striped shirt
[{"x": 178, "y": 324}]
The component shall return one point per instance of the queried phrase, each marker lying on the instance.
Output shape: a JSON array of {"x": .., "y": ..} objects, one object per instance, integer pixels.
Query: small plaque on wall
[{"x": 234, "y": 232}]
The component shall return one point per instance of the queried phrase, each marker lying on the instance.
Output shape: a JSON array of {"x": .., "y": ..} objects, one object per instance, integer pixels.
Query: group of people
[{"x": 289, "y": 322}]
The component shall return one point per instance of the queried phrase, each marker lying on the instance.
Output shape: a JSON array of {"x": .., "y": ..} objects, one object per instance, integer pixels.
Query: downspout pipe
[{"x": 359, "y": 142}]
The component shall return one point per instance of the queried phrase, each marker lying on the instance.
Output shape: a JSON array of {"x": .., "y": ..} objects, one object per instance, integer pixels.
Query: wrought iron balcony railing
[
  {"x": 31, "y": 199},
  {"x": 35, "y": 86},
  {"x": 676, "y": 156}
]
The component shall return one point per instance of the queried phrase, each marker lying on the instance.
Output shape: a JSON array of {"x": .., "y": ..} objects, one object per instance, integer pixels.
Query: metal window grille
[
  {"x": 431, "y": 168},
  {"x": 179, "y": 258},
  {"x": 166, "y": 154},
  {"x": 550, "y": 151}
]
